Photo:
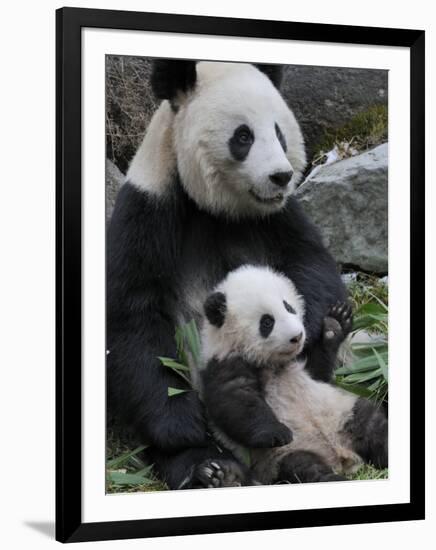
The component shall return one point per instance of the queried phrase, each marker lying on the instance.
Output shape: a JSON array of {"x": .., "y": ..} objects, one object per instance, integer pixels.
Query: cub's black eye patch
[
  {"x": 215, "y": 309},
  {"x": 281, "y": 137},
  {"x": 266, "y": 325},
  {"x": 288, "y": 307},
  {"x": 241, "y": 141}
]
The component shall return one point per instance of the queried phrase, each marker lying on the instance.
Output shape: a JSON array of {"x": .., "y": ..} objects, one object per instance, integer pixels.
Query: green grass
[
  {"x": 365, "y": 130},
  {"x": 367, "y": 471},
  {"x": 126, "y": 472}
]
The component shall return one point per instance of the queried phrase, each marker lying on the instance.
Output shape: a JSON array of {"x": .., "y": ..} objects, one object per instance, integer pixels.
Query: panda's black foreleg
[
  {"x": 368, "y": 428},
  {"x": 322, "y": 356},
  {"x": 305, "y": 467},
  {"x": 199, "y": 468}
]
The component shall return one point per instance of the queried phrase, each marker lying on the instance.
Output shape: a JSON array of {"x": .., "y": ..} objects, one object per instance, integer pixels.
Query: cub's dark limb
[
  {"x": 337, "y": 325},
  {"x": 233, "y": 397},
  {"x": 305, "y": 467},
  {"x": 193, "y": 468},
  {"x": 368, "y": 429},
  {"x": 335, "y": 328}
]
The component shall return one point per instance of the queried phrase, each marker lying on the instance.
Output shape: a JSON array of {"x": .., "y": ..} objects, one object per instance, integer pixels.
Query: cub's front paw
[
  {"x": 273, "y": 436},
  {"x": 219, "y": 473},
  {"x": 338, "y": 323}
]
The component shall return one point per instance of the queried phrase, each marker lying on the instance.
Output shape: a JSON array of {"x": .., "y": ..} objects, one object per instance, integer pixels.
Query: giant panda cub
[{"x": 259, "y": 396}]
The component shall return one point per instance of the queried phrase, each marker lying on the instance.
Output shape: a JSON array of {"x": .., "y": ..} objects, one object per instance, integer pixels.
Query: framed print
[{"x": 240, "y": 253}]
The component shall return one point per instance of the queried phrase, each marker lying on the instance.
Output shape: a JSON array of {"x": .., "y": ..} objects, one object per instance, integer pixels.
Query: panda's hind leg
[
  {"x": 368, "y": 428},
  {"x": 305, "y": 467}
]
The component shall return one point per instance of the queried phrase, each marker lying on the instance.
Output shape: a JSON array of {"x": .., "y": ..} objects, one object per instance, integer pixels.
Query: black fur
[
  {"x": 305, "y": 467},
  {"x": 240, "y": 143},
  {"x": 281, "y": 137},
  {"x": 156, "y": 245},
  {"x": 233, "y": 397},
  {"x": 368, "y": 428},
  {"x": 190, "y": 469},
  {"x": 289, "y": 308},
  {"x": 215, "y": 309},
  {"x": 266, "y": 324},
  {"x": 273, "y": 72},
  {"x": 170, "y": 76},
  {"x": 336, "y": 327}
]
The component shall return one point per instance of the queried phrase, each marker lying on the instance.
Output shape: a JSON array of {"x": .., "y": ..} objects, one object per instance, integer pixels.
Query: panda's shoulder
[{"x": 295, "y": 220}]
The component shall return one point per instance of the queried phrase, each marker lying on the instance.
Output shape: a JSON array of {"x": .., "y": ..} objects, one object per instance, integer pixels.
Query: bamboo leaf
[
  {"x": 360, "y": 377},
  {"x": 172, "y": 364},
  {"x": 361, "y": 365},
  {"x": 175, "y": 391},
  {"x": 119, "y": 461},
  {"x": 120, "y": 478},
  {"x": 383, "y": 365}
]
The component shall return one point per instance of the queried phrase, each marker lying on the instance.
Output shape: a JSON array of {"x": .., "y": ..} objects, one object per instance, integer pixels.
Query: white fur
[
  {"x": 315, "y": 412},
  {"x": 154, "y": 165},
  {"x": 251, "y": 292},
  {"x": 226, "y": 95}
]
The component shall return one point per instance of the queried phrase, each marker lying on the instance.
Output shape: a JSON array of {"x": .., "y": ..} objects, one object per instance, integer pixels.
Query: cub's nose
[
  {"x": 296, "y": 339},
  {"x": 281, "y": 178}
]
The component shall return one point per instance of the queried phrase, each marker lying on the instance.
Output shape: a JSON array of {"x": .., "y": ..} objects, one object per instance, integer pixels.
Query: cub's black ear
[
  {"x": 273, "y": 72},
  {"x": 215, "y": 309},
  {"x": 170, "y": 76}
]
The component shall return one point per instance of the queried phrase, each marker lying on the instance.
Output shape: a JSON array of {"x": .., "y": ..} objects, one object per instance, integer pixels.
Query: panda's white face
[
  {"x": 256, "y": 313},
  {"x": 239, "y": 148}
]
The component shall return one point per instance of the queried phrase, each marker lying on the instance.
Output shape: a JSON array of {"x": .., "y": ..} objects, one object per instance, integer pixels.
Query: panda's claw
[
  {"x": 219, "y": 473},
  {"x": 338, "y": 322}
]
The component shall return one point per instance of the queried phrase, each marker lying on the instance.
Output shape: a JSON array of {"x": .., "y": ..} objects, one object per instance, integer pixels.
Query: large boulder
[
  {"x": 325, "y": 98},
  {"x": 347, "y": 200},
  {"x": 114, "y": 180}
]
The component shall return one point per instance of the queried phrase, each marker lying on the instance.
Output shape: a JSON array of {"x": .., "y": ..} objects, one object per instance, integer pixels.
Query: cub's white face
[
  {"x": 262, "y": 318},
  {"x": 239, "y": 148}
]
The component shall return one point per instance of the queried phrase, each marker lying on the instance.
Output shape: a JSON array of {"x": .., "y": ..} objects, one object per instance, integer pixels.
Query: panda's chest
[{"x": 210, "y": 249}]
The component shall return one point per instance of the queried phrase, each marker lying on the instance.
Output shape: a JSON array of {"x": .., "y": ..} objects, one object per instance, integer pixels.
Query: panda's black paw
[
  {"x": 338, "y": 323},
  {"x": 275, "y": 435},
  {"x": 220, "y": 473}
]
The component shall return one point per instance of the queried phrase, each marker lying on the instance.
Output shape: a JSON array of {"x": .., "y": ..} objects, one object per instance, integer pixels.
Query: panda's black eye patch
[
  {"x": 281, "y": 137},
  {"x": 241, "y": 141},
  {"x": 266, "y": 325},
  {"x": 288, "y": 307}
]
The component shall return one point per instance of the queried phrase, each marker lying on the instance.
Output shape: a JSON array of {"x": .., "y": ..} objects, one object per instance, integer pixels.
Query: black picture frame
[{"x": 69, "y": 22}]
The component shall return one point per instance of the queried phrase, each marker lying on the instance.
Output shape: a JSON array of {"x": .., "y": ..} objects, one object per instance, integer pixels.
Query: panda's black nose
[
  {"x": 296, "y": 339},
  {"x": 281, "y": 178}
]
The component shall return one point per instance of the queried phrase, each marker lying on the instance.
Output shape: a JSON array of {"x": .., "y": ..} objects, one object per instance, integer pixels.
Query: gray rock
[
  {"x": 114, "y": 180},
  {"x": 324, "y": 98},
  {"x": 347, "y": 200}
]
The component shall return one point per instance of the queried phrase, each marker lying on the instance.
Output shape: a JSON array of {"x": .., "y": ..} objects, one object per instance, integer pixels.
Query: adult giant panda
[
  {"x": 259, "y": 395},
  {"x": 208, "y": 190}
]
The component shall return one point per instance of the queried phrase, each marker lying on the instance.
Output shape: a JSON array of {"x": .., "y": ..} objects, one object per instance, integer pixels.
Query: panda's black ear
[
  {"x": 273, "y": 72},
  {"x": 170, "y": 76},
  {"x": 215, "y": 309}
]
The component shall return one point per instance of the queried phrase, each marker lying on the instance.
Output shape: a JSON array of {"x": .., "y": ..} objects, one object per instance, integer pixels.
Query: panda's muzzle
[{"x": 277, "y": 199}]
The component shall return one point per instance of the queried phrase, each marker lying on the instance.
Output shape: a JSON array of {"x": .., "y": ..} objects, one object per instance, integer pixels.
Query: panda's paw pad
[
  {"x": 220, "y": 473},
  {"x": 339, "y": 321}
]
